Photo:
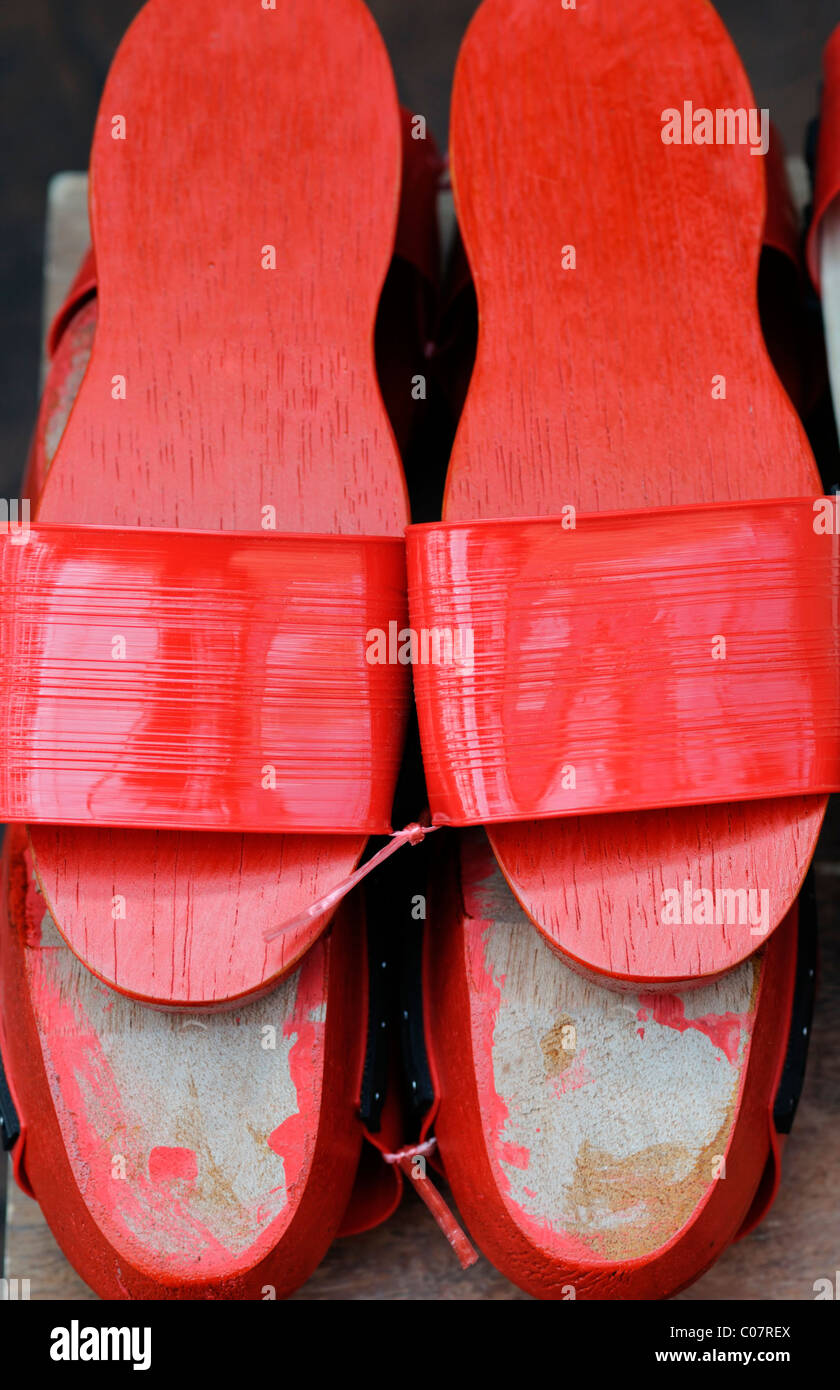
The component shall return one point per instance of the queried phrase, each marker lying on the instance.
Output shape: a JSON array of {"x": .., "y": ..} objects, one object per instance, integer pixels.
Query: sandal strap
[
  {"x": 199, "y": 681},
  {"x": 628, "y": 661},
  {"x": 83, "y": 288}
]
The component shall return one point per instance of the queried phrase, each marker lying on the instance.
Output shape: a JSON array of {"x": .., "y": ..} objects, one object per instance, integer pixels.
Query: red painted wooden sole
[
  {"x": 593, "y": 387},
  {"x": 245, "y": 388},
  {"x": 600, "y": 1144},
  {"x": 176, "y": 1158}
]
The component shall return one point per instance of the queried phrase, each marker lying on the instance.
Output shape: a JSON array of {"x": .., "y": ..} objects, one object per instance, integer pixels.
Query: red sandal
[
  {"x": 239, "y": 363},
  {"x": 586, "y": 437},
  {"x": 211, "y": 1154},
  {"x": 600, "y": 533}
]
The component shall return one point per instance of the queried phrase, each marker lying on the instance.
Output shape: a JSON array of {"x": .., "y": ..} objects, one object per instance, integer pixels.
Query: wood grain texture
[
  {"x": 593, "y": 387},
  {"x": 175, "y": 1157},
  {"x": 590, "y": 1166},
  {"x": 61, "y": 53},
  {"x": 245, "y": 387},
  {"x": 407, "y": 1259}
]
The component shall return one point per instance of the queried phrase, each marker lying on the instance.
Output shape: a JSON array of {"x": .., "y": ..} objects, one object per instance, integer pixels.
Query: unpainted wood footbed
[{"x": 607, "y": 1114}]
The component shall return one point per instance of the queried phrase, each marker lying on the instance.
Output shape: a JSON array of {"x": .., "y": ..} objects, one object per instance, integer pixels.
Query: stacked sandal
[
  {"x": 630, "y": 736},
  {"x": 610, "y": 962}
]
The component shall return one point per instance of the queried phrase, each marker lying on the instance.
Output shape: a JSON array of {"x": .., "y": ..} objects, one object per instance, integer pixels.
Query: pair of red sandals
[{"x": 623, "y": 637}]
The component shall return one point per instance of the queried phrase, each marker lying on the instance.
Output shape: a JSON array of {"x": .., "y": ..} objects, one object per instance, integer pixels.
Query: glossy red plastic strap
[
  {"x": 643, "y": 659},
  {"x": 205, "y": 681},
  {"x": 827, "y": 181}
]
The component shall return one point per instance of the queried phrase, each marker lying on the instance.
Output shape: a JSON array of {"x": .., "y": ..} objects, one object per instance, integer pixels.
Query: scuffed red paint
[
  {"x": 294, "y": 1139},
  {"x": 486, "y": 994},
  {"x": 486, "y": 997},
  {"x": 575, "y": 1077},
  {"x": 169, "y": 1165},
  {"x": 73, "y": 1055},
  {"x": 33, "y": 907},
  {"x": 724, "y": 1031},
  {"x": 514, "y": 1154}
]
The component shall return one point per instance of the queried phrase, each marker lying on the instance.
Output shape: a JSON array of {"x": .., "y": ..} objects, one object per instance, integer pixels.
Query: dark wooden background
[{"x": 54, "y": 55}]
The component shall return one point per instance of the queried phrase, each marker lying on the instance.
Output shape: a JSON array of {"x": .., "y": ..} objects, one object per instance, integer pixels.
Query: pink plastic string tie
[{"x": 413, "y": 834}]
